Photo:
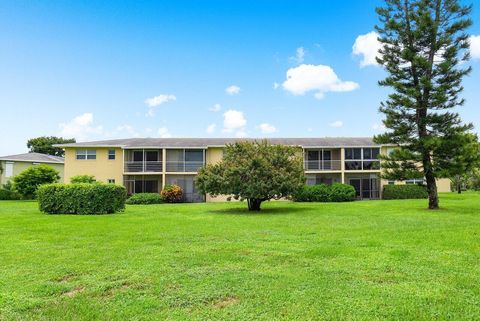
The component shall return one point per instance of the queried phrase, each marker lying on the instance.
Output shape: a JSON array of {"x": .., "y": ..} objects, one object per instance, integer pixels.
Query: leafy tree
[
  {"x": 254, "y": 171},
  {"x": 82, "y": 179},
  {"x": 27, "y": 182},
  {"x": 464, "y": 159},
  {"x": 45, "y": 144},
  {"x": 423, "y": 46}
]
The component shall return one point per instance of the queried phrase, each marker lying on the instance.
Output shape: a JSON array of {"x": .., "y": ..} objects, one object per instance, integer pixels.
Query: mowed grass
[{"x": 372, "y": 260}]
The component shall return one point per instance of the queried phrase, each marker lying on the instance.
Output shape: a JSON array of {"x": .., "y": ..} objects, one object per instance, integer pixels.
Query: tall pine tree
[{"x": 423, "y": 46}]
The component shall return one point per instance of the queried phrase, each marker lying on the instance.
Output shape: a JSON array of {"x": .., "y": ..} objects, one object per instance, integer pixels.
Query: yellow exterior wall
[
  {"x": 20, "y": 166},
  {"x": 102, "y": 168},
  {"x": 214, "y": 155}
]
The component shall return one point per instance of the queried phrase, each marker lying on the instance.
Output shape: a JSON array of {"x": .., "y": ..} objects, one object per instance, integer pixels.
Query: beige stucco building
[
  {"x": 148, "y": 164},
  {"x": 14, "y": 164}
]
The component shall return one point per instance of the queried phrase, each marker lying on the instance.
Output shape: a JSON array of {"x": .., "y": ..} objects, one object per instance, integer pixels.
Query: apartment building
[{"x": 148, "y": 164}]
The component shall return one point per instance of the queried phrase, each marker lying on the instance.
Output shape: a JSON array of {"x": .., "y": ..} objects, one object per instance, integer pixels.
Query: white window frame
[
  {"x": 9, "y": 169},
  {"x": 111, "y": 181},
  {"x": 114, "y": 154},
  {"x": 86, "y": 154}
]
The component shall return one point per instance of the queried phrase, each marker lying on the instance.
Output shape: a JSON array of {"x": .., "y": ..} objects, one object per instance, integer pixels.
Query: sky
[{"x": 117, "y": 69}]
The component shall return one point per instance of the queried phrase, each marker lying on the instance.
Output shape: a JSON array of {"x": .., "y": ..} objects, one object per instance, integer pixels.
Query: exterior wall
[
  {"x": 19, "y": 167},
  {"x": 102, "y": 168},
  {"x": 214, "y": 155}
]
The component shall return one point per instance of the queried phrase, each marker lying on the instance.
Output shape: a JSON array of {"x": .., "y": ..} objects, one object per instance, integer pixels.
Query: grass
[{"x": 372, "y": 260}]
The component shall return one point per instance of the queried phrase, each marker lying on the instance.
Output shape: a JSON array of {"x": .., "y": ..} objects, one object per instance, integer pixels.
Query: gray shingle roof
[
  {"x": 34, "y": 157},
  {"x": 211, "y": 142}
]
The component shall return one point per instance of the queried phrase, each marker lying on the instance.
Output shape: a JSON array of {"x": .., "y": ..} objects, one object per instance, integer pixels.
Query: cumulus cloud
[
  {"x": 232, "y": 90},
  {"x": 128, "y": 130},
  {"x": 378, "y": 127},
  {"x": 163, "y": 132},
  {"x": 234, "y": 122},
  {"x": 81, "y": 127},
  {"x": 317, "y": 78},
  {"x": 367, "y": 46},
  {"x": 475, "y": 47},
  {"x": 337, "y": 124},
  {"x": 157, "y": 101},
  {"x": 299, "y": 56},
  {"x": 266, "y": 128},
  {"x": 211, "y": 128},
  {"x": 276, "y": 85},
  {"x": 215, "y": 108}
]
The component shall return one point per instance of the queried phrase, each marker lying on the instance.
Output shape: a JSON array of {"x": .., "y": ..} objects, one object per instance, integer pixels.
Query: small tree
[
  {"x": 27, "y": 182},
  {"x": 254, "y": 171},
  {"x": 44, "y": 145},
  {"x": 82, "y": 179}
]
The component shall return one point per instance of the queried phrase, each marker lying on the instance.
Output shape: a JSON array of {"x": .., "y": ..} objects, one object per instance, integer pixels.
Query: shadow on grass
[{"x": 263, "y": 211}]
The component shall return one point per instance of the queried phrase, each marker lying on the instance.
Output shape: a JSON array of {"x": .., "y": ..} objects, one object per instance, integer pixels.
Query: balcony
[
  {"x": 183, "y": 167},
  {"x": 359, "y": 165},
  {"x": 140, "y": 166},
  {"x": 323, "y": 165}
]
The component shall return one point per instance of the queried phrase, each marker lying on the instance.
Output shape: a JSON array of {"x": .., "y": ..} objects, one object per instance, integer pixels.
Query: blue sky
[{"x": 193, "y": 69}]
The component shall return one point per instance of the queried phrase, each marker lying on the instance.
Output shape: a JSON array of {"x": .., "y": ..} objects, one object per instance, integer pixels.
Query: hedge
[
  {"x": 407, "y": 191},
  {"x": 145, "y": 198},
  {"x": 81, "y": 198},
  {"x": 325, "y": 193},
  {"x": 6, "y": 194}
]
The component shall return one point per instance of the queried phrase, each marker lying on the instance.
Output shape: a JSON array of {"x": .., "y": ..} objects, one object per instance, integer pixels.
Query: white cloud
[
  {"x": 318, "y": 78},
  {"x": 232, "y": 90},
  {"x": 234, "y": 122},
  {"x": 337, "y": 124},
  {"x": 215, "y": 108},
  {"x": 475, "y": 47},
  {"x": 157, "y": 101},
  {"x": 127, "y": 129},
  {"x": 276, "y": 85},
  {"x": 299, "y": 55},
  {"x": 367, "y": 45},
  {"x": 81, "y": 127},
  {"x": 163, "y": 132},
  {"x": 211, "y": 128},
  {"x": 266, "y": 128}
]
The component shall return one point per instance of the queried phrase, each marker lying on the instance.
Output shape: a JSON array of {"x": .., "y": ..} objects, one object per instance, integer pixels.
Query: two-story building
[{"x": 148, "y": 164}]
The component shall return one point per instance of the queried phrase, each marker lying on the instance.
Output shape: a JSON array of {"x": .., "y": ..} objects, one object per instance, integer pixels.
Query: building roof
[
  {"x": 213, "y": 142},
  {"x": 34, "y": 157}
]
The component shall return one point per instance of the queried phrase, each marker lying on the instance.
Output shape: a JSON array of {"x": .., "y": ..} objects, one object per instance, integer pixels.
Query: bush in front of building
[
  {"x": 325, "y": 193},
  {"x": 27, "y": 182},
  {"x": 90, "y": 179},
  {"x": 81, "y": 198},
  {"x": 145, "y": 199},
  {"x": 172, "y": 193},
  {"x": 8, "y": 193},
  {"x": 407, "y": 191}
]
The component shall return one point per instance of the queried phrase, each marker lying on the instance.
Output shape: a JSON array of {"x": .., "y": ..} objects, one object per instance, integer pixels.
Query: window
[
  {"x": 418, "y": 181},
  {"x": 111, "y": 181},
  {"x": 362, "y": 158},
  {"x": 111, "y": 154},
  {"x": 9, "y": 169},
  {"x": 353, "y": 153},
  {"x": 86, "y": 154},
  {"x": 35, "y": 163},
  {"x": 391, "y": 182}
]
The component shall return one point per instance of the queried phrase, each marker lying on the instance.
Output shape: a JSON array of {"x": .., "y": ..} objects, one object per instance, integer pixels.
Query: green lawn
[{"x": 391, "y": 260}]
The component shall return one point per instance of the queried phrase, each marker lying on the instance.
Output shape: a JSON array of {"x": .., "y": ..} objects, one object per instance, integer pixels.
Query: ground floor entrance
[{"x": 365, "y": 187}]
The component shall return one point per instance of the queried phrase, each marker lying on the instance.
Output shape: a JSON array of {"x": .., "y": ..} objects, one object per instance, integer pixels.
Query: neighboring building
[
  {"x": 147, "y": 164},
  {"x": 14, "y": 164}
]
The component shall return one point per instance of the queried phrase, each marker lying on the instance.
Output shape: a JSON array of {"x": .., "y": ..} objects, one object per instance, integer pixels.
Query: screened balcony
[
  {"x": 322, "y": 160},
  {"x": 358, "y": 159},
  {"x": 143, "y": 161},
  {"x": 184, "y": 160}
]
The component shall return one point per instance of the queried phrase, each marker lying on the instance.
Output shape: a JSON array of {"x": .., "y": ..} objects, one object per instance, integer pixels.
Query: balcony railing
[
  {"x": 358, "y": 165},
  {"x": 139, "y": 166},
  {"x": 179, "y": 166},
  {"x": 323, "y": 165}
]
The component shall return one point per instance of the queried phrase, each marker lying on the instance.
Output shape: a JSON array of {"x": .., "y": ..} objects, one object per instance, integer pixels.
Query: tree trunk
[
  {"x": 459, "y": 187},
  {"x": 432, "y": 190},
  {"x": 254, "y": 204}
]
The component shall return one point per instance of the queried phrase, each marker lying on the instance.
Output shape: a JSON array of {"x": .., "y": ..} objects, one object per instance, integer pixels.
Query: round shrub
[
  {"x": 407, "y": 191},
  {"x": 27, "y": 182},
  {"x": 172, "y": 194},
  {"x": 325, "y": 193},
  {"x": 342, "y": 193},
  {"x": 81, "y": 198},
  {"x": 145, "y": 198},
  {"x": 82, "y": 179}
]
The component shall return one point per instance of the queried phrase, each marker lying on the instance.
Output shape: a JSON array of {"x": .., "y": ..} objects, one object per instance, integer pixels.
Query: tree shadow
[{"x": 264, "y": 211}]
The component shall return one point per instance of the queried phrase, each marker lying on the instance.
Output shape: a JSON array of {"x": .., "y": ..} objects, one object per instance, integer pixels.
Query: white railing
[
  {"x": 139, "y": 166},
  {"x": 188, "y": 166},
  {"x": 323, "y": 165}
]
